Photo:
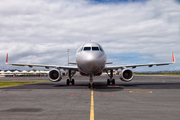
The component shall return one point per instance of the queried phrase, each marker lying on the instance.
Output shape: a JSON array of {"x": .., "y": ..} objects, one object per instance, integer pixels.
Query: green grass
[
  {"x": 156, "y": 74},
  {"x": 18, "y": 83}
]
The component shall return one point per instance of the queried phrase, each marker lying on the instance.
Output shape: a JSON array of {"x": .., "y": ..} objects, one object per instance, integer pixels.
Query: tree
[{"x": 34, "y": 70}]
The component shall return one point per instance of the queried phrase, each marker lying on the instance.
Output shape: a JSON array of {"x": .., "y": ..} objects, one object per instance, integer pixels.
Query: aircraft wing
[
  {"x": 46, "y": 66},
  {"x": 138, "y": 65}
]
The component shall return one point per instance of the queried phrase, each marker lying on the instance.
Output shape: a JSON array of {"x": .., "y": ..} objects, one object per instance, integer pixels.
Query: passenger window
[
  {"x": 87, "y": 48},
  {"x": 95, "y": 48},
  {"x": 101, "y": 49}
]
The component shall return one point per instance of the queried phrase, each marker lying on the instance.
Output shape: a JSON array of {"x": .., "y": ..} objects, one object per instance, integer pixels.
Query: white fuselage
[{"x": 91, "y": 59}]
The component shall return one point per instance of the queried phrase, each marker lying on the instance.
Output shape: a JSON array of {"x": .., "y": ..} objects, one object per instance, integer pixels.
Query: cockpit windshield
[
  {"x": 101, "y": 49},
  {"x": 95, "y": 48},
  {"x": 91, "y": 49},
  {"x": 87, "y": 48}
]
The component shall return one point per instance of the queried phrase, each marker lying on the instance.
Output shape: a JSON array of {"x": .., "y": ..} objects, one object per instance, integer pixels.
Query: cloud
[
  {"x": 176, "y": 68},
  {"x": 41, "y": 31}
]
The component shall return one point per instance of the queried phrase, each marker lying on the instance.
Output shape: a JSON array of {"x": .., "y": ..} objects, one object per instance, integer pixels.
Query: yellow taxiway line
[{"x": 92, "y": 106}]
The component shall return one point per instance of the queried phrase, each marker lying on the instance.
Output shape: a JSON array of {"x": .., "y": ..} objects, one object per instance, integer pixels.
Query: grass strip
[
  {"x": 157, "y": 74},
  {"x": 18, "y": 83}
]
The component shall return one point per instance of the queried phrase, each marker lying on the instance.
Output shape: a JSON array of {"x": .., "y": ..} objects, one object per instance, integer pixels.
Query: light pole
[{"x": 68, "y": 56}]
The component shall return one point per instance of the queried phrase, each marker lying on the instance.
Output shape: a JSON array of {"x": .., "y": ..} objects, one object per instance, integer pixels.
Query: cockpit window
[
  {"x": 101, "y": 49},
  {"x": 87, "y": 48},
  {"x": 80, "y": 50},
  {"x": 95, "y": 48}
]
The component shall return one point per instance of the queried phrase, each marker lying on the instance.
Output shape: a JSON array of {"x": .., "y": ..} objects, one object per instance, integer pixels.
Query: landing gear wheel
[
  {"x": 72, "y": 81},
  {"x": 108, "y": 82},
  {"x": 67, "y": 81},
  {"x": 113, "y": 81},
  {"x": 89, "y": 86},
  {"x": 92, "y": 86}
]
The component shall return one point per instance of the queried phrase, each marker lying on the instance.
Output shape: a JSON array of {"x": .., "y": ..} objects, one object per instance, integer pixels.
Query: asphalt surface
[{"x": 144, "y": 98}]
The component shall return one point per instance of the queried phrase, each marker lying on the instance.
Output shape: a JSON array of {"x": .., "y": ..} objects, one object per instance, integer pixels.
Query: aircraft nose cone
[
  {"x": 90, "y": 58},
  {"x": 91, "y": 66},
  {"x": 92, "y": 63}
]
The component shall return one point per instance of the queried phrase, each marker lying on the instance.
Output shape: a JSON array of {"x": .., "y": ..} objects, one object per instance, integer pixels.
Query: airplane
[{"x": 91, "y": 61}]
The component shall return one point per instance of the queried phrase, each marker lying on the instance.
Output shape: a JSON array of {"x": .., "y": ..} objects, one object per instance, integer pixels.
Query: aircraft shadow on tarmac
[
  {"x": 23, "y": 110},
  {"x": 100, "y": 86}
]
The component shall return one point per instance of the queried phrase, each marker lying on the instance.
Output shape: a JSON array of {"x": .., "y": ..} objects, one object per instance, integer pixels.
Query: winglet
[
  {"x": 7, "y": 58},
  {"x": 173, "y": 57}
]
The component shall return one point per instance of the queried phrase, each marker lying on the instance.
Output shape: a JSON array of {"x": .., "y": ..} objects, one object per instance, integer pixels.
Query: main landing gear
[
  {"x": 91, "y": 84},
  {"x": 111, "y": 80},
  {"x": 70, "y": 80}
]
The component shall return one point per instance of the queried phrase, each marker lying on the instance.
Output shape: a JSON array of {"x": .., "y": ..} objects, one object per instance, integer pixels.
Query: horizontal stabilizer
[
  {"x": 72, "y": 63},
  {"x": 109, "y": 63}
]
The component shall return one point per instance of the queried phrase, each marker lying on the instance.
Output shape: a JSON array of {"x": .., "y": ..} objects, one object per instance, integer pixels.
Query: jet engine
[
  {"x": 126, "y": 75},
  {"x": 55, "y": 75}
]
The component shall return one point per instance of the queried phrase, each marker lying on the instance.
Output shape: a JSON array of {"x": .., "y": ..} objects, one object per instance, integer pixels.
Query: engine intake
[
  {"x": 55, "y": 75},
  {"x": 126, "y": 75}
]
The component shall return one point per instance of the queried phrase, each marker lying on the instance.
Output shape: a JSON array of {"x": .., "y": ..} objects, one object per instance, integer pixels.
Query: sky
[{"x": 130, "y": 31}]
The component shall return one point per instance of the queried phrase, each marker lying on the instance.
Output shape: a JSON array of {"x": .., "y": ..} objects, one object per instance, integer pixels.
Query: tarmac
[{"x": 144, "y": 98}]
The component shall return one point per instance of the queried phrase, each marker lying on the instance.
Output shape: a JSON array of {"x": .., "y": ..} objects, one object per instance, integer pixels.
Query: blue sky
[
  {"x": 129, "y": 58},
  {"x": 40, "y": 32}
]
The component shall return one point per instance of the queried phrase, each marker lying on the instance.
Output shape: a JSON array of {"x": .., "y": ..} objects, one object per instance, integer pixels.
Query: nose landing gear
[{"x": 91, "y": 84}]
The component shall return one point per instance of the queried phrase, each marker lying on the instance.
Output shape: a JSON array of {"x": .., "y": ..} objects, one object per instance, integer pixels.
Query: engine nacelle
[
  {"x": 55, "y": 75},
  {"x": 126, "y": 75}
]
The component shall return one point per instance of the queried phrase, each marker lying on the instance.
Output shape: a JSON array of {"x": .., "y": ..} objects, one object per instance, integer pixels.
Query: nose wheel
[{"x": 91, "y": 84}]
